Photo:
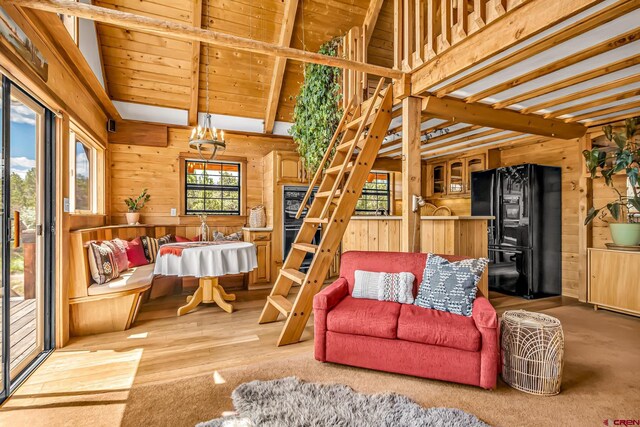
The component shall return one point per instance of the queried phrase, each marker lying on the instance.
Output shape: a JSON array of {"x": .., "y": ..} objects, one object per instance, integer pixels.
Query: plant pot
[
  {"x": 625, "y": 234},
  {"x": 132, "y": 218}
]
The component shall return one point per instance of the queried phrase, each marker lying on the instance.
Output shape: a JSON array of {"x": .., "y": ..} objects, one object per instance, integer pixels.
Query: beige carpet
[{"x": 601, "y": 380}]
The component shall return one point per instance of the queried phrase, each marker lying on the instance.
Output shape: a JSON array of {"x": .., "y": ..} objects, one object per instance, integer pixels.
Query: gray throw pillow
[
  {"x": 366, "y": 284},
  {"x": 450, "y": 286},
  {"x": 394, "y": 287}
]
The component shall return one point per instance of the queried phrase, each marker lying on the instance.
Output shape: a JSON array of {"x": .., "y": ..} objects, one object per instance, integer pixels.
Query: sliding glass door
[{"x": 26, "y": 235}]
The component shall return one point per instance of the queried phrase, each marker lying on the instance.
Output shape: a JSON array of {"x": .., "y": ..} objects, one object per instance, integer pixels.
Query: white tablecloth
[{"x": 209, "y": 261}]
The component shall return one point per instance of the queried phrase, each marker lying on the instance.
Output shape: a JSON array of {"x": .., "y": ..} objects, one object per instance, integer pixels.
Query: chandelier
[{"x": 205, "y": 138}]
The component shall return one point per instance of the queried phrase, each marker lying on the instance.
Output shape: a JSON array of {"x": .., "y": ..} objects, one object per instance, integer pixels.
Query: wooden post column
[{"x": 411, "y": 172}]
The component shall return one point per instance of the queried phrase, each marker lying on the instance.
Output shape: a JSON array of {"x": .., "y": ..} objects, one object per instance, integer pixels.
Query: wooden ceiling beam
[
  {"x": 582, "y": 26},
  {"x": 471, "y": 144},
  {"x": 494, "y": 142},
  {"x": 436, "y": 145},
  {"x": 485, "y": 115},
  {"x": 286, "y": 31},
  {"x": 370, "y": 19},
  {"x": 583, "y": 93},
  {"x": 573, "y": 80},
  {"x": 196, "y": 21},
  {"x": 561, "y": 63},
  {"x": 530, "y": 19},
  {"x": 187, "y": 32}
]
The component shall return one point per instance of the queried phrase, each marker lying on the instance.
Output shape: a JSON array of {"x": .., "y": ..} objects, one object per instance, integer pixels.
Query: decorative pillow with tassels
[
  {"x": 151, "y": 245},
  {"x": 102, "y": 262}
]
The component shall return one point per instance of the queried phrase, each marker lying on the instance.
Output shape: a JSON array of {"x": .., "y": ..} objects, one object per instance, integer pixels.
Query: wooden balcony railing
[{"x": 426, "y": 28}]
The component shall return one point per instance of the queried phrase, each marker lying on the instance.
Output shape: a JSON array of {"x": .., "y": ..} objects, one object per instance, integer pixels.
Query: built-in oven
[{"x": 292, "y": 197}]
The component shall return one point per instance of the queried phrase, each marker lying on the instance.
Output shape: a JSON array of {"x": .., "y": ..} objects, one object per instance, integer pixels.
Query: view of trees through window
[
  {"x": 212, "y": 188},
  {"x": 83, "y": 177},
  {"x": 375, "y": 195}
]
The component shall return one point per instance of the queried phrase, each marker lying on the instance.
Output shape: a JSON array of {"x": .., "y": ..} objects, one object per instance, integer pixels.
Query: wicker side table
[{"x": 532, "y": 352}]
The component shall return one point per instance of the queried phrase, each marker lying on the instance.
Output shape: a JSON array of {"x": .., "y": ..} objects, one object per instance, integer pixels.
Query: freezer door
[{"x": 483, "y": 198}]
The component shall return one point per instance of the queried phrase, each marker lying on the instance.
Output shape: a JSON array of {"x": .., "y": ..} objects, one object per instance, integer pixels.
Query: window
[
  {"x": 82, "y": 180},
  {"x": 212, "y": 187},
  {"x": 86, "y": 174},
  {"x": 376, "y": 195}
]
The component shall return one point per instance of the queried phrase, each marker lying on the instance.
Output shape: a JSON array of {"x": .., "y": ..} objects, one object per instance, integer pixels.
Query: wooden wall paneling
[
  {"x": 372, "y": 234},
  {"x": 196, "y": 21},
  {"x": 380, "y": 48},
  {"x": 585, "y": 233},
  {"x": 135, "y": 167}
]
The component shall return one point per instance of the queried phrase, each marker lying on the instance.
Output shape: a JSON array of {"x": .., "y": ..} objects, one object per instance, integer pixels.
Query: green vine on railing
[{"x": 317, "y": 112}]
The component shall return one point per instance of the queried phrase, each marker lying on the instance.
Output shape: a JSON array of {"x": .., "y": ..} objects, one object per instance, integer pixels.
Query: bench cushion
[{"x": 132, "y": 278}]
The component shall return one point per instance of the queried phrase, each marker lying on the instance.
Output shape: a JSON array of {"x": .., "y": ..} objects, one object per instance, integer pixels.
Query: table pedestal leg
[{"x": 209, "y": 291}]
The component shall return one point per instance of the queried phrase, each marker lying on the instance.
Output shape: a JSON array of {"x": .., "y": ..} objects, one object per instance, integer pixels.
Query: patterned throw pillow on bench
[
  {"x": 151, "y": 245},
  {"x": 102, "y": 262},
  {"x": 450, "y": 286},
  {"x": 395, "y": 287}
]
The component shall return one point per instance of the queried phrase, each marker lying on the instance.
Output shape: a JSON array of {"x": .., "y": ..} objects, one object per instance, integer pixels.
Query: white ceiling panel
[
  {"x": 594, "y": 97},
  {"x": 602, "y": 107}
]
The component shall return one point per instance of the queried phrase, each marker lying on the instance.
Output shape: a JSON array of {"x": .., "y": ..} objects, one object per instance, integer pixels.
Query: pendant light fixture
[{"x": 204, "y": 138}]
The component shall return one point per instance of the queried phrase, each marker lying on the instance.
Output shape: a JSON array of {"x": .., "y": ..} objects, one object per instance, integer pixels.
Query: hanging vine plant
[{"x": 317, "y": 111}]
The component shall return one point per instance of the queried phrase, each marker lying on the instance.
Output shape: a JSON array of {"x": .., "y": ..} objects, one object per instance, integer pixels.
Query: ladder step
[
  {"x": 307, "y": 247},
  {"x": 294, "y": 275},
  {"x": 316, "y": 220},
  {"x": 356, "y": 122},
  {"x": 336, "y": 169},
  {"x": 324, "y": 194},
  {"x": 347, "y": 145},
  {"x": 281, "y": 303}
]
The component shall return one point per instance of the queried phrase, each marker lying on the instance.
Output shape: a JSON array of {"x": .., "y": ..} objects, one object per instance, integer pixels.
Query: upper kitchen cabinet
[
  {"x": 436, "y": 179},
  {"x": 289, "y": 169}
]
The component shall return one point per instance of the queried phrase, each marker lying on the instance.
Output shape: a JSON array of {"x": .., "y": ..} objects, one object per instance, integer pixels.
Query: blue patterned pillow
[{"x": 450, "y": 286}]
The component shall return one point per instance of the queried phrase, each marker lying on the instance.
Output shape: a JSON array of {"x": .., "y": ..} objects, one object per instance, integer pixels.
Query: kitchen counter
[
  {"x": 257, "y": 229},
  {"x": 436, "y": 218}
]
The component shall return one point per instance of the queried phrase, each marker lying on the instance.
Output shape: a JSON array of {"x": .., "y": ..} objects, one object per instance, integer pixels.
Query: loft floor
[{"x": 92, "y": 381}]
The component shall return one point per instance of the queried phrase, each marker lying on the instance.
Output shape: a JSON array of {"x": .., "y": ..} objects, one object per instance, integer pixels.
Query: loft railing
[{"x": 426, "y": 28}]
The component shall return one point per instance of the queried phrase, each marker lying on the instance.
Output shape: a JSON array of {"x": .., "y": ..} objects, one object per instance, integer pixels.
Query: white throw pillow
[{"x": 395, "y": 287}]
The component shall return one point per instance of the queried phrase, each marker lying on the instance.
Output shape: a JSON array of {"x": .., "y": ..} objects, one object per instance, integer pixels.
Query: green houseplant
[
  {"x": 134, "y": 206},
  {"x": 624, "y": 158},
  {"x": 317, "y": 112}
]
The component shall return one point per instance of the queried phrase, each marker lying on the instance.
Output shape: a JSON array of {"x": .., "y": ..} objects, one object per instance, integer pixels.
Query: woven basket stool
[{"x": 532, "y": 352}]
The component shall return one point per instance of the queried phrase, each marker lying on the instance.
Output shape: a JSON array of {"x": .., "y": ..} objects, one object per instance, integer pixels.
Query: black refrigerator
[{"x": 525, "y": 238}]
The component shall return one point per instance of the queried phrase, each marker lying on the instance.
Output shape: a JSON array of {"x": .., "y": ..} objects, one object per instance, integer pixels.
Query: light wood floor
[{"x": 161, "y": 347}]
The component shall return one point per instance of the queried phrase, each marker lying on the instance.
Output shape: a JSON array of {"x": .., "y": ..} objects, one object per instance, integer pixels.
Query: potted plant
[
  {"x": 624, "y": 158},
  {"x": 134, "y": 206}
]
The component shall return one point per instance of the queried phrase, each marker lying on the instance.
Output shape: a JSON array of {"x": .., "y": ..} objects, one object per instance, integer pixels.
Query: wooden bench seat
[
  {"x": 113, "y": 306},
  {"x": 133, "y": 278}
]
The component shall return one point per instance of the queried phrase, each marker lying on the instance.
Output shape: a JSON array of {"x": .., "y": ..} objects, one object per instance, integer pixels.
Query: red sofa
[{"x": 404, "y": 338}]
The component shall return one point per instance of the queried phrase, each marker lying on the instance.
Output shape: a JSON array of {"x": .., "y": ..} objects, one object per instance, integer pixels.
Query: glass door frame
[{"x": 48, "y": 234}]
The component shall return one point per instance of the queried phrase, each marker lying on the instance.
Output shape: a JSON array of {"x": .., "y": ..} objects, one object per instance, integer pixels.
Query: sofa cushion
[
  {"x": 132, "y": 278},
  {"x": 439, "y": 328},
  {"x": 364, "y": 317}
]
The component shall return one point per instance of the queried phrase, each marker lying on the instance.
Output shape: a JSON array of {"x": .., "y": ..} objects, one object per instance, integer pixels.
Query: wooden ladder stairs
[{"x": 360, "y": 132}]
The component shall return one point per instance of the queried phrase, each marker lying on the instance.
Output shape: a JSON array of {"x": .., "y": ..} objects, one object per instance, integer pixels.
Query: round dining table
[{"x": 207, "y": 261}]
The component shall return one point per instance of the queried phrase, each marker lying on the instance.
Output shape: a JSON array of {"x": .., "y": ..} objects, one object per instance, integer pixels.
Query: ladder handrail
[
  {"x": 363, "y": 124},
  {"x": 327, "y": 153}
]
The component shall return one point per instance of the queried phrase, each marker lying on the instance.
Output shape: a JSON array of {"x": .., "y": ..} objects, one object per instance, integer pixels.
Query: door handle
[{"x": 16, "y": 229}]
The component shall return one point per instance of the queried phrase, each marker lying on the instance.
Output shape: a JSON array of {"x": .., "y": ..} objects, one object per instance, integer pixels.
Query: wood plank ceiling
[
  {"x": 585, "y": 70},
  {"x": 153, "y": 70}
]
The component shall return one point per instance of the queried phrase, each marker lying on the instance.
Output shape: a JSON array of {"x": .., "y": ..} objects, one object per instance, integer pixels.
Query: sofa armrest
[
  {"x": 486, "y": 320},
  {"x": 331, "y": 295},
  {"x": 483, "y": 314}
]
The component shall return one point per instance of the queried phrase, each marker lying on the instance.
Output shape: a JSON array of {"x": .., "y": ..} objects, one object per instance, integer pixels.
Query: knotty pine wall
[{"x": 134, "y": 167}]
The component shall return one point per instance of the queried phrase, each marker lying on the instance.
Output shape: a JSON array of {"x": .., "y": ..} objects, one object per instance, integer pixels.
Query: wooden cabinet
[
  {"x": 260, "y": 277},
  {"x": 289, "y": 169},
  {"x": 436, "y": 179},
  {"x": 613, "y": 280},
  {"x": 453, "y": 178}
]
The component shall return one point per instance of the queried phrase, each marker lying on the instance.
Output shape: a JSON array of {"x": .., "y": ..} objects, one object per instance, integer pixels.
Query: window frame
[
  {"x": 241, "y": 161},
  {"x": 389, "y": 194},
  {"x": 96, "y": 173}
]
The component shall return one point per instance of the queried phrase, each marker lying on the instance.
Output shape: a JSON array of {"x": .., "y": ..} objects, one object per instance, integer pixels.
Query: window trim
[
  {"x": 390, "y": 194},
  {"x": 242, "y": 161},
  {"x": 96, "y": 174}
]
